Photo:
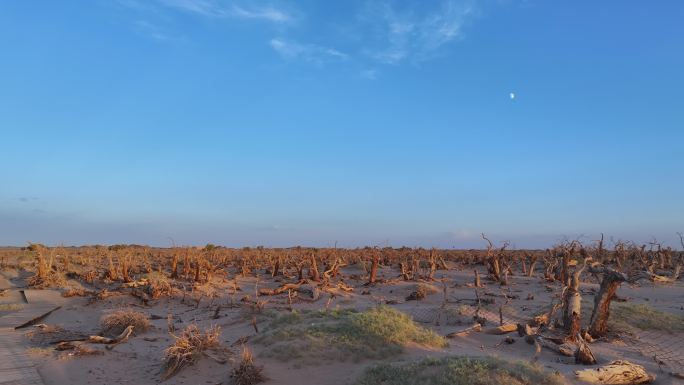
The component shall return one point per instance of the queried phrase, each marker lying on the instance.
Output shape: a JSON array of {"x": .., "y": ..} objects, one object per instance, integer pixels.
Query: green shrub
[
  {"x": 459, "y": 371},
  {"x": 344, "y": 334}
]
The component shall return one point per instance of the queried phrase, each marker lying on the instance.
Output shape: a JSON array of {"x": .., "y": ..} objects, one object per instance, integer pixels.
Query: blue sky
[{"x": 364, "y": 122}]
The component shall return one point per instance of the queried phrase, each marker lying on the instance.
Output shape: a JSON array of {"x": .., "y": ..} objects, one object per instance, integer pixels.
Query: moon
[{"x": 512, "y": 95}]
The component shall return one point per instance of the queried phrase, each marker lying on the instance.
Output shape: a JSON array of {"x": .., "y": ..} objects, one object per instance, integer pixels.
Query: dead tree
[
  {"x": 598, "y": 326},
  {"x": 478, "y": 283},
  {"x": 313, "y": 269},
  {"x": 572, "y": 311},
  {"x": 374, "y": 269},
  {"x": 493, "y": 259},
  {"x": 433, "y": 265},
  {"x": 276, "y": 266},
  {"x": 533, "y": 262}
]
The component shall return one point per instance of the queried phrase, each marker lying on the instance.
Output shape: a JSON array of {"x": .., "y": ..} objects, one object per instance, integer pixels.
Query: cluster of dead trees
[{"x": 198, "y": 265}]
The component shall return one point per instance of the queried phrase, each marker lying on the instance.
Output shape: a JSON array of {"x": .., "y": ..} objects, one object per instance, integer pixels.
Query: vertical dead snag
[
  {"x": 374, "y": 269},
  {"x": 276, "y": 266},
  {"x": 612, "y": 279},
  {"x": 197, "y": 268},
  {"x": 433, "y": 265},
  {"x": 478, "y": 283},
  {"x": 533, "y": 262},
  {"x": 111, "y": 271},
  {"x": 573, "y": 303},
  {"x": 404, "y": 273},
  {"x": 313, "y": 268},
  {"x": 493, "y": 266}
]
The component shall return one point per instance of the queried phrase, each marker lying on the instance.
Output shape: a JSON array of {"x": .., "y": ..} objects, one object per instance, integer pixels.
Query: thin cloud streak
[
  {"x": 214, "y": 9},
  {"x": 289, "y": 49}
]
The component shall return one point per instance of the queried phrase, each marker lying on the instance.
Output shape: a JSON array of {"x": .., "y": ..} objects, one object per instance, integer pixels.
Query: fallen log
[
  {"x": 462, "y": 333},
  {"x": 616, "y": 373},
  {"x": 503, "y": 329},
  {"x": 566, "y": 349},
  {"x": 279, "y": 290}
]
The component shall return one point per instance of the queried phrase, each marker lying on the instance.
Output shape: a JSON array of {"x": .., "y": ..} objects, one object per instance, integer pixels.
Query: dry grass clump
[
  {"x": 422, "y": 290},
  {"x": 246, "y": 373},
  {"x": 188, "y": 347},
  {"x": 11, "y": 306},
  {"x": 626, "y": 316},
  {"x": 343, "y": 334},
  {"x": 158, "y": 286},
  {"x": 115, "y": 323},
  {"x": 45, "y": 275},
  {"x": 459, "y": 371}
]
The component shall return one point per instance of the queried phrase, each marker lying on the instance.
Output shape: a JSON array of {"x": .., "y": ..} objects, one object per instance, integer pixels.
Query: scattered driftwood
[
  {"x": 462, "y": 333},
  {"x": 35, "y": 320},
  {"x": 112, "y": 341},
  {"x": 566, "y": 349},
  {"x": 616, "y": 373},
  {"x": 524, "y": 330},
  {"x": 583, "y": 354},
  {"x": 282, "y": 289},
  {"x": 503, "y": 329}
]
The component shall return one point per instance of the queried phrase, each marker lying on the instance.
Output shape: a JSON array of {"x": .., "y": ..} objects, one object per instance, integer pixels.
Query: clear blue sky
[{"x": 363, "y": 122}]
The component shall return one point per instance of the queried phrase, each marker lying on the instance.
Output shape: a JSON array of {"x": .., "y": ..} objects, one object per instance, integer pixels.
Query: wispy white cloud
[
  {"x": 290, "y": 49},
  {"x": 370, "y": 74},
  {"x": 212, "y": 8},
  {"x": 150, "y": 29},
  {"x": 266, "y": 13},
  {"x": 380, "y": 32},
  {"x": 412, "y": 34}
]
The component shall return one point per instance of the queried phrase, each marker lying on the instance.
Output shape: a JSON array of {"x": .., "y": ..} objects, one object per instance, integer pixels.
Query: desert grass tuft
[
  {"x": 247, "y": 373},
  {"x": 422, "y": 290},
  {"x": 188, "y": 347},
  {"x": 626, "y": 316},
  {"x": 344, "y": 334},
  {"x": 11, "y": 306},
  {"x": 460, "y": 370},
  {"x": 116, "y": 322}
]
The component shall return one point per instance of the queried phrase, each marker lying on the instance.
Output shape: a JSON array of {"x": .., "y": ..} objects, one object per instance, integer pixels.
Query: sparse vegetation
[
  {"x": 459, "y": 371},
  {"x": 187, "y": 348},
  {"x": 11, "y": 306},
  {"x": 247, "y": 373},
  {"x": 625, "y": 316},
  {"x": 376, "y": 333},
  {"x": 116, "y": 322},
  {"x": 422, "y": 290},
  {"x": 266, "y": 290}
]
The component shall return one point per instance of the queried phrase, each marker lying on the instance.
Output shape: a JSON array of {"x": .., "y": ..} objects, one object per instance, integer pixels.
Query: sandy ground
[{"x": 139, "y": 360}]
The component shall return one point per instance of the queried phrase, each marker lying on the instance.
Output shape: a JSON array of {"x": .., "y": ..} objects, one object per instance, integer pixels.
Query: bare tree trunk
[
  {"x": 477, "y": 279},
  {"x": 599, "y": 317},
  {"x": 276, "y": 268},
  {"x": 374, "y": 269},
  {"x": 533, "y": 263},
  {"x": 573, "y": 307},
  {"x": 314, "y": 269}
]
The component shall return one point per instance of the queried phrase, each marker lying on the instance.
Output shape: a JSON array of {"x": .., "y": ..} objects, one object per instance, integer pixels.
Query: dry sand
[{"x": 139, "y": 360}]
